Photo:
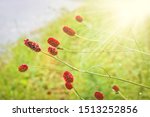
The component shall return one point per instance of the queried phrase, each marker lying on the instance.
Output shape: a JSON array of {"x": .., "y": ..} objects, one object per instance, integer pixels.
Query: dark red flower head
[
  {"x": 68, "y": 77},
  {"x": 32, "y": 45},
  {"x": 23, "y": 68},
  {"x": 69, "y": 31},
  {"x": 99, "y": 95},
  {"x": 53, "y": 42},
  {"x": 115, "y": 88},
  {"x": 52, "y": 50},
  {"x": 79, "y": 18},
  {"x": 68, "y": 85}
]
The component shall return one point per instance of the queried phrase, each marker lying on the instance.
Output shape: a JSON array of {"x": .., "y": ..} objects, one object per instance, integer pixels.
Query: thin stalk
[
  {"x": 93, "y": 73},
  {"x": 77, "y": 94},
  {"x": 97, "y": 51},
  {"x": 101, "y": 68},
  {"x": 122, "y": 95},
  {"x": 113, "y": 77},
  {"x": 86, "y": 38},
  {"x": 139, "y": 51},
  {"x": 74, "y": 68}
]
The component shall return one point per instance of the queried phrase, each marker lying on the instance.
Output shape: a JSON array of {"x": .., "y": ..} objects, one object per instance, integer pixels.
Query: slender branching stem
[{"x": 97, "y": 74}]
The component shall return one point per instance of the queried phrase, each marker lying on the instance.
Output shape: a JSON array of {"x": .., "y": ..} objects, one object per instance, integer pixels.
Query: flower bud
[
  {"x": 52, "y": 50},
  {"x": 68, "y": 85},
  {"x": 53, "y": 42},
  {"x": 23, "y": 68},
  {"x": 32, "y": 45},
  {"x": 69, "y": 31},
  {"x": 68, "y": 77},
  {"x": 99, "y": 95},
  {"x": 115, "y": 88},
  {"x": 79, "y": 18}
]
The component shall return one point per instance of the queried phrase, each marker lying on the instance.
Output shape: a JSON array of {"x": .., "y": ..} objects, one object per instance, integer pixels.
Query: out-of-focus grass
[{"x": 45, "y": 74}]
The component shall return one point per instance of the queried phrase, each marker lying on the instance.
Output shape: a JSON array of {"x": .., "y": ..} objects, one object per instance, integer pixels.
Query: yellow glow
[{"x": 130, "y": 11}]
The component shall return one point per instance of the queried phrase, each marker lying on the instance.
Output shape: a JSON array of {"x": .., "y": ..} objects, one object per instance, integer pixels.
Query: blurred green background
[{"x": 123, "y": 51}]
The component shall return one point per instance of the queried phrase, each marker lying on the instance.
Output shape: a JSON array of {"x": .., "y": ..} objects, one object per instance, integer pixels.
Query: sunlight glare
[{"x": 131, "y": 11}]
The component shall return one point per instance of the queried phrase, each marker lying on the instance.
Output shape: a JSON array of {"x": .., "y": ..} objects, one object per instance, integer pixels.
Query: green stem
[
  {"x": 93, "y": 73},
  {"x": 113, "y": 77},
  {"x": 74, "y": 68},
  {"x": 135, "y": 50},
  {"x": 97, "y": 51},
  {"x": 76, "y": 92},
  {"x": 86, "y": 38},
  {"x": 122, "y": 96}
]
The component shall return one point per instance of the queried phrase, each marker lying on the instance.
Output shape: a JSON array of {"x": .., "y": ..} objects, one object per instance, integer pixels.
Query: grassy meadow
[{"x": 121, "y": 51}]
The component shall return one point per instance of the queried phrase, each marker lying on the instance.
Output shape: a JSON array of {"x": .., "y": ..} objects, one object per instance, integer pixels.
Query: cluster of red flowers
[
  {"x": 54, "y": 45},
  {"x": 53, "y": 50},
  {"x": 68, "y": 78},
  {"x": 32, "y": 45},
  {"x": 100, "y": 96},
  {"x": 23, "y": 68}
]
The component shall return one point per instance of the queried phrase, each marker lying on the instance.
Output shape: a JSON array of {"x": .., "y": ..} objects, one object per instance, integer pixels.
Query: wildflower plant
[{"x": 68, "y": 77}]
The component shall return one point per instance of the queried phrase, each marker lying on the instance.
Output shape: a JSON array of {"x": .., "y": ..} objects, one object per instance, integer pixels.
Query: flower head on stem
[
  {"x": 68, "y": 85},
  {"x": 68, "y": 77},
  {"x": 99, "y": 95},
  {"x": 53, "y": 42},
  {"x": 32, "y": 45},
  {"x": 115, "y": 88},
  {"x": 117, "y": 91},
  {"x": 23, "y": 68},
  {"x": 52, "y": 50},
  {"x": 69, "y": 31},
  {"x": 79, "y": 18}
]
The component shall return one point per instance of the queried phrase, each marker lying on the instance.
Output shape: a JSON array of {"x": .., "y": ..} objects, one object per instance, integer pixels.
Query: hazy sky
[{"x": 22, "y": 16}]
